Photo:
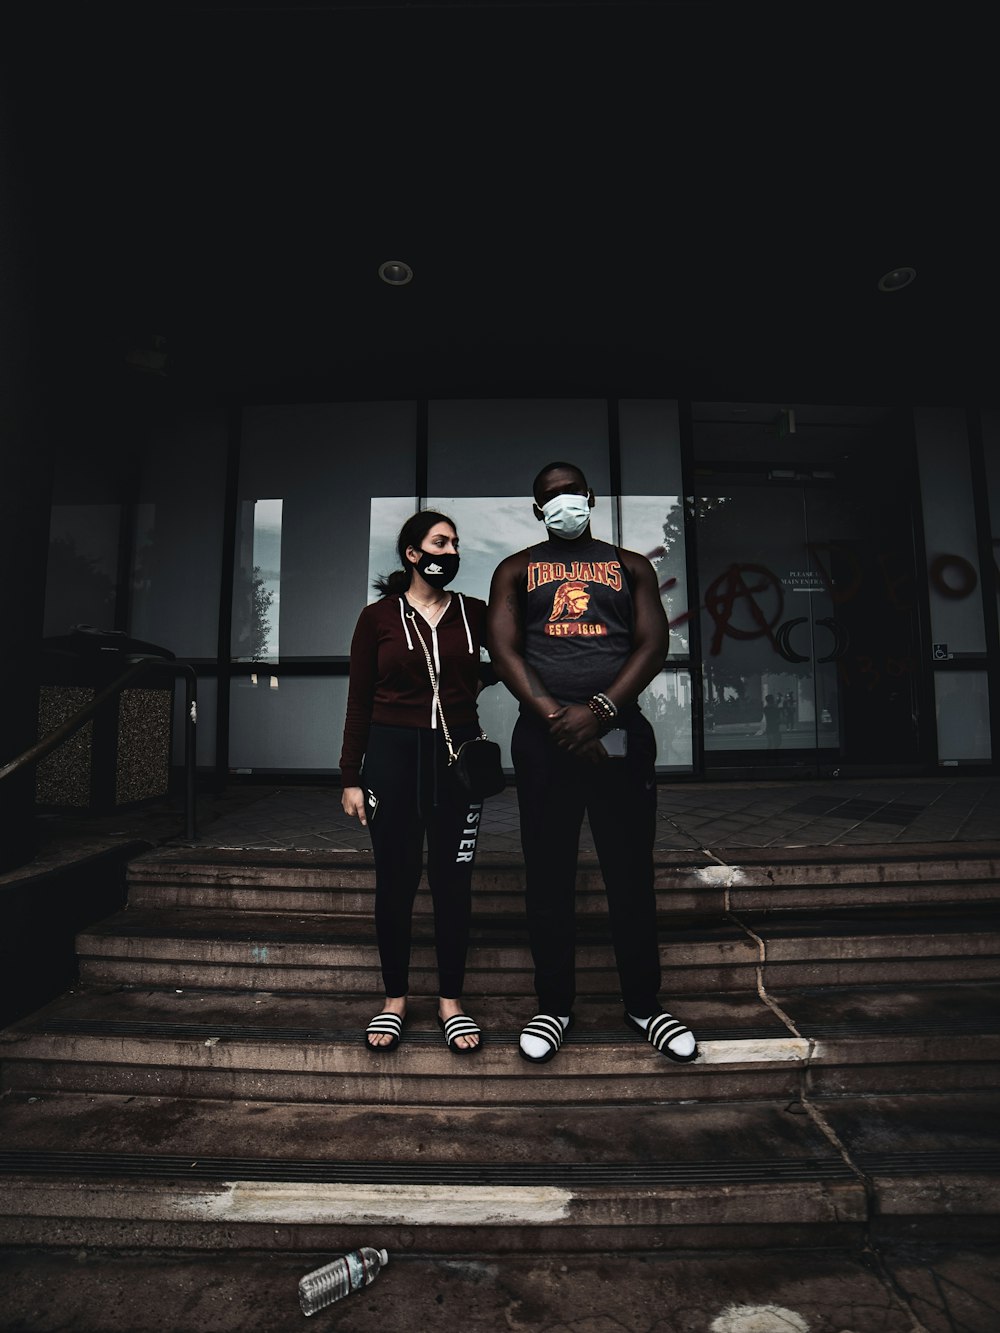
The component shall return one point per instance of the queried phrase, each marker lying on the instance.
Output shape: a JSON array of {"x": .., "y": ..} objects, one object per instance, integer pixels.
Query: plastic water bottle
[{"x": 349, "y": 1273}]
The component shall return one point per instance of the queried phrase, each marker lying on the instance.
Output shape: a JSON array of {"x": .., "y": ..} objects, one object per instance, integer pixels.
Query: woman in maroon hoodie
[{"x": 394, "y": 766}]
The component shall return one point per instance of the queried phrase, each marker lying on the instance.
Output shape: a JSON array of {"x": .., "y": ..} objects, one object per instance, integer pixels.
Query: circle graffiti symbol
[{"x": 781, "y": 639}]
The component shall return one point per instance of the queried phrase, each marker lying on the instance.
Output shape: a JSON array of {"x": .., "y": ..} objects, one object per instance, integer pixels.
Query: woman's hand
[{"x": 353, "y": 801}]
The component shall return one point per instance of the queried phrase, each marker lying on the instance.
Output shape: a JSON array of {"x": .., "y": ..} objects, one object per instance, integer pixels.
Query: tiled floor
[{"x": 692, "y": 815}]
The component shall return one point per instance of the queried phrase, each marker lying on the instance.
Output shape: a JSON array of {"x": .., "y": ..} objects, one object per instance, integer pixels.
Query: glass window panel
[
  {"x": 177, "y": 547},
  {"x": 666, "y": 702},
  {"x": 991, "y": 448},
  {"x": 950, "y": 529},
  {"x": 208, "y": 693},
  {"x": 252, "y": 635},
  {"x": 963, "y": 716},
  {"x": 654, "y": 526},
  {"x": 817, "y": 608},
  {"x": 263, "y": 517},
  {"x": 649, "y": 436},
  {"x": 286, "y": 722},
  {"x": 763, "y": 599},
  {"x": 480, "y": 447},
  {"x": 82, "y": 572},
  {"x": 324, "y": 462},
  {"x": 651, "y": 508}
]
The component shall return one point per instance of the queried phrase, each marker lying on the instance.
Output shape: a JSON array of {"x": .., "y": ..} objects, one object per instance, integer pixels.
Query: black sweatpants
[
  {"x": 619, "y": 795},
  {"x": 409, "y": 792}
]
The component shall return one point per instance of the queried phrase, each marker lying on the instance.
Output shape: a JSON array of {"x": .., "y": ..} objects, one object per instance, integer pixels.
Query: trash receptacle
[{"x": 122, "y": 755}]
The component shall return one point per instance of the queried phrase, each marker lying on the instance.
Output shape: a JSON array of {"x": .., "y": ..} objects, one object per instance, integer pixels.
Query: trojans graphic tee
[{"x": 577, "y": 617}]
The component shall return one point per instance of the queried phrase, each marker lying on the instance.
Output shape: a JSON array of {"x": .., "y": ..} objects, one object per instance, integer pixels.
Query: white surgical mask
[{"x": 567, "y": 515}]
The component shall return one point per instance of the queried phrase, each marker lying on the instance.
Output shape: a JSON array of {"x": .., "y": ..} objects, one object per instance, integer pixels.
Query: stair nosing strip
[{"x": 594, "y": 1175}]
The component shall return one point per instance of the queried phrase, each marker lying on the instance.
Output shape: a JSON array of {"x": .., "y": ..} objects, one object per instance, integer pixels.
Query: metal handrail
[{"x": 83, "y": 715}]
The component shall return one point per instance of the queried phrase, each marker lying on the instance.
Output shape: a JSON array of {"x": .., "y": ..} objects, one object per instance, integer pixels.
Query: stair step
[
  {"x": 276, "y": 951},
  {"x": 797, "y": 1288},
  {"x": 302, "y": 1048},
  {"x": 781, "y": 879},
  {"x": 818, "y": 1012},
  {"x": 309, "y": 1176},
  {"x": 317, "y": 953}
]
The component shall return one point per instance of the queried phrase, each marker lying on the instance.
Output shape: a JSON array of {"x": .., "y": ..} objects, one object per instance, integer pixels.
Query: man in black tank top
[{"x": 576, "y": 632}]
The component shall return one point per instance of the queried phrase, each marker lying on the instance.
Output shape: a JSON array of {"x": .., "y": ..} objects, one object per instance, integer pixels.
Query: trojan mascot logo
[
  {"x": 568, "y": 608},
  {"x": 571, "y": 600}
]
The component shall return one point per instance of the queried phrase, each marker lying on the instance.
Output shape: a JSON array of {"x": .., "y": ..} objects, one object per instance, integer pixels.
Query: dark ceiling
[{"x": 662, "y": 199}]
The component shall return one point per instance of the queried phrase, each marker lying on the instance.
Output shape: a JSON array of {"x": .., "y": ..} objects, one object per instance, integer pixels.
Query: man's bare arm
[{"x": 505, "y": 638}]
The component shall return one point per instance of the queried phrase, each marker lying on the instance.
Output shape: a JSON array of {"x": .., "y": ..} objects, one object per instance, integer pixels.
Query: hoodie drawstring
[
  {"x": 465, "y": 618},
  {"x": 406, "y": 628}
]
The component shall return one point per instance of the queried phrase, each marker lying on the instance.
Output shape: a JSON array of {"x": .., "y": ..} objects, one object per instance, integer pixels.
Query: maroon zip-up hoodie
[{"x": 389, "y": 680}]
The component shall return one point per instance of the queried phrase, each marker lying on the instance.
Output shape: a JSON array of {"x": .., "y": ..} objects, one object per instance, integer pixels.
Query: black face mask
[{"x": 438, "y": 570}]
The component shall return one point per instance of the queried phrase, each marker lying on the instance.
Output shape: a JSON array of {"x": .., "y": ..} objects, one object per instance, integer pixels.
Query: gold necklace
[{"x": 429, "y": 605}]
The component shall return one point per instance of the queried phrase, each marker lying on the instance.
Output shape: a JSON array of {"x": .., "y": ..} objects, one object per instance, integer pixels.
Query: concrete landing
[
  {"x": 828, "y": 812},
  {"x": 813, "y": 813}
]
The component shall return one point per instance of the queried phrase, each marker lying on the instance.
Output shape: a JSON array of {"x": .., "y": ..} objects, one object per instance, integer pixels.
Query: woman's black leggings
[{"x": 410, "y": 792}]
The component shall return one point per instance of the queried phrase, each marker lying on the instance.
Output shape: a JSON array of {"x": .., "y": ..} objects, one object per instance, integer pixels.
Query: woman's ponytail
[{"x": 392, "y": 585}]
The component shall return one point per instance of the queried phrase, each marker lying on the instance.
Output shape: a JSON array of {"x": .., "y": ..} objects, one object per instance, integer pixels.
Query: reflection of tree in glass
[
  {"x": 702, "y": 509},
  {"x": 705, "y": 510},
  {"x": 260, "y": 624},
  {"x": 731, "y": 696},
  {"x": 254, "y": 600},
  {"x": 75, "y": 581}
]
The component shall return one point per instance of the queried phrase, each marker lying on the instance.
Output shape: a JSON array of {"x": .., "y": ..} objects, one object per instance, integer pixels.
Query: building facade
[{"x": 829, "y": 572}]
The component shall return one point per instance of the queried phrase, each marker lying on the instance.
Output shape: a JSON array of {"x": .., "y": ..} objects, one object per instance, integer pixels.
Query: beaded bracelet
[{"x": 602, "y": 707}]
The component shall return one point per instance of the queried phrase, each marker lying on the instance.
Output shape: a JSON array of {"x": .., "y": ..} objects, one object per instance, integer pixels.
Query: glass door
[{"x": 809, "y": 627}]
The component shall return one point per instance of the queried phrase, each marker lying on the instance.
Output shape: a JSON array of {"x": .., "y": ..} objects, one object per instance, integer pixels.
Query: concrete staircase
[{"x": 204, "y": 1096}]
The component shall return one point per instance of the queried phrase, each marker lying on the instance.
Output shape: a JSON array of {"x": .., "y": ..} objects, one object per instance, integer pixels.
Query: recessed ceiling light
[
  {"x": 896, "y": 279},
  {"x": 395, "y": 272}
]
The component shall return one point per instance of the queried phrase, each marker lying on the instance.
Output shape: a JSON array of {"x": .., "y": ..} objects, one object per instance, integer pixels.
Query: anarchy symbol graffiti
[{"x": 750, "y": 585}]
